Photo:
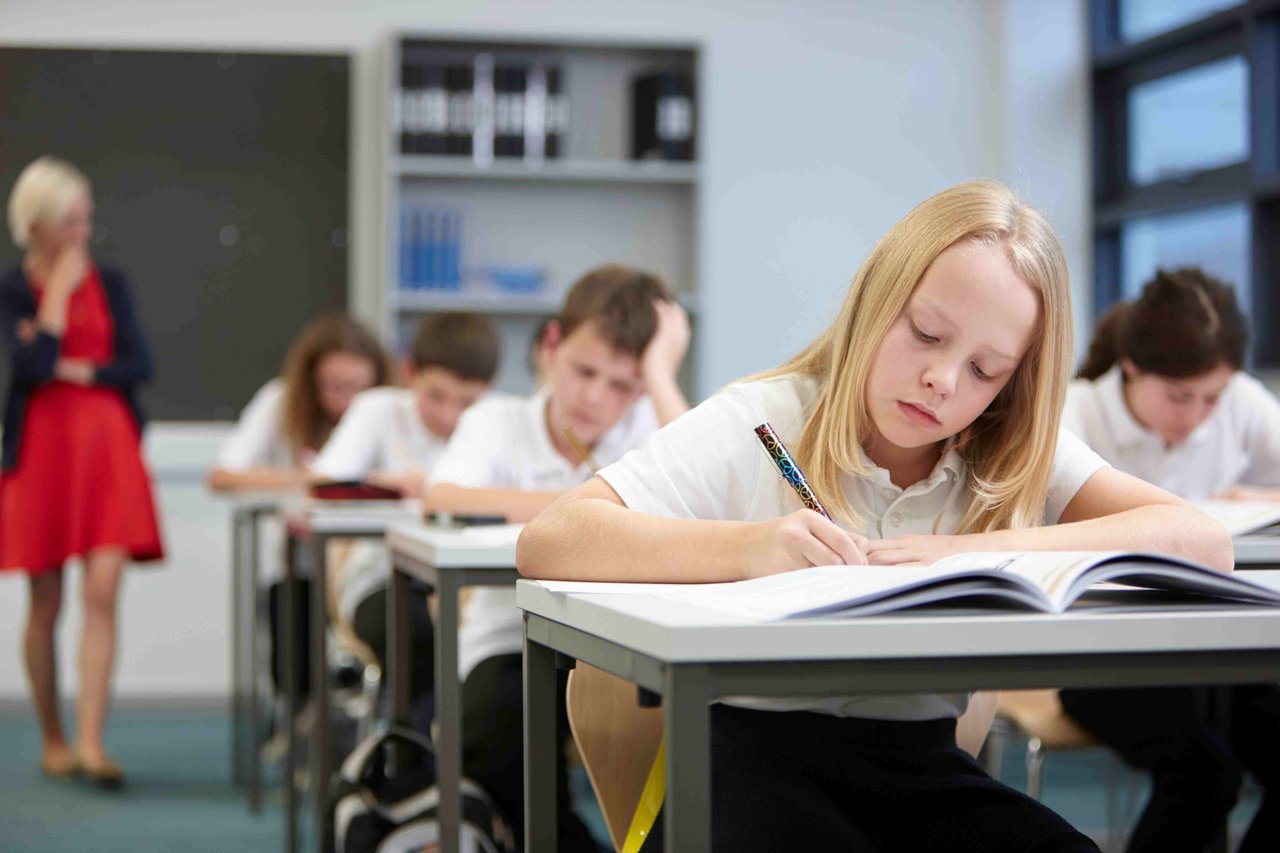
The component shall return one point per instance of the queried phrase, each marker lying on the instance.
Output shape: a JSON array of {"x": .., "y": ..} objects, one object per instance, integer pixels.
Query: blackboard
[{"x": 221, "y": 187}]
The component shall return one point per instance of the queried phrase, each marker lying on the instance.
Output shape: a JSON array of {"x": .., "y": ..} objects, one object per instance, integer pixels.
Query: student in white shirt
[
  {"x": 395, "y": 437},
  {"x": 286, "y": 423},
  {"x": 613, "y": 353},
  {"x": 926, "y": 418},
  {"x": 1162, "y": 396},
  {"x": 290, "y": 418}
]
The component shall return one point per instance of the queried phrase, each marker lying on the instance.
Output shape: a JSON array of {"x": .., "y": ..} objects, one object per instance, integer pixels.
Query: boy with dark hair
[
  {"x": 613, "y": 353},
  {"x": 394, "y": 437}
]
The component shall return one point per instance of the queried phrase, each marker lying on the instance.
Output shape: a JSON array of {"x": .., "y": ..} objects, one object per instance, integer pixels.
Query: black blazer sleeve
[
  {"x": 31, "y": 362},
  {"x": 132, "y": 364}
]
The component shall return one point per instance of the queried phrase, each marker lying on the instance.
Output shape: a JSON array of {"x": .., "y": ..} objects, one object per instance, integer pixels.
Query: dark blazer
[{"x": 31, "y": 364}]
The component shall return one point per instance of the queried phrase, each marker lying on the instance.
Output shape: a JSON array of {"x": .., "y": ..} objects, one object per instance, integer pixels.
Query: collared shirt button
[
  {"x": 888, "y": 494},
  {"x": 896, "y": 519}
]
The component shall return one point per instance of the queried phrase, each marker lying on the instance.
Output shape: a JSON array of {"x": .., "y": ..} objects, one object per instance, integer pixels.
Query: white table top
[
  {"x": 483, "y": 546},
  {"x": 1257, "y": 550},
  {"x": 675, "y": 631},
  {"x": 350, "y": 518},
  {"x": 257, "y": 498}
]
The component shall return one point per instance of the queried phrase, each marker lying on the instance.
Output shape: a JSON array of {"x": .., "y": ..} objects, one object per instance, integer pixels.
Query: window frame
[{"x": 1250, "y": 30}]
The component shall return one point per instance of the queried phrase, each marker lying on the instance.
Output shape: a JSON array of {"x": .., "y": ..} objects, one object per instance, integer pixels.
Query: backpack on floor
[{"x": 374, "y": 812}]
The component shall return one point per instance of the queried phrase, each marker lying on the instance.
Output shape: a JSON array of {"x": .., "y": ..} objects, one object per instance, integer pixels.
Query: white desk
[
  {"x": 693, "y": 656},
  {"x": 1257, "y": 552},
  {"x": 315, "y": 523},
  {"x": 447, "y": 560}
]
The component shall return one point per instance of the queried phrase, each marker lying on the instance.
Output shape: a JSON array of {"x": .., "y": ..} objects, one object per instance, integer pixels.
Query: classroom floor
[{"x": 179, "y": 796}]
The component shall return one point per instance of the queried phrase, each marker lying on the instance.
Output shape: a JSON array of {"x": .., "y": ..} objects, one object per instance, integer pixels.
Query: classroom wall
[
  {"x": 823, "y": 122},
  {"x": 1044, "y": 128}
]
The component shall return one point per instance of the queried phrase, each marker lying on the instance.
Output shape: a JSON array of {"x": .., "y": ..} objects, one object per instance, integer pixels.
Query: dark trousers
[
  {"x": 493, "y": 747},
  {"x": 301, "y": 634},
  {"x": 803, "y": 781},
  {"x": 1196, "y": 773},
  {"x": 370, "y": 624}
]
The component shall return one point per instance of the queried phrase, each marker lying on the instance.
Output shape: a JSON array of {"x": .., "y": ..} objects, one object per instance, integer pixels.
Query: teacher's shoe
[
  {"x": 62, "y": 765},
  {"x": 106, "y": 773}
]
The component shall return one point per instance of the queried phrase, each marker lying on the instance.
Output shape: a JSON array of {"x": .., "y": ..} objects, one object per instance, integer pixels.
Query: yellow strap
[{"x": 655, "y": 789}]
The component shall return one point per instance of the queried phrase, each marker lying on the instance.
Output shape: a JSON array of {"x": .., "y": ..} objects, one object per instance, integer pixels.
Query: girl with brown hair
[
  {"x": 290, "y": 418},
  {"x": 1162, "y": 396}
]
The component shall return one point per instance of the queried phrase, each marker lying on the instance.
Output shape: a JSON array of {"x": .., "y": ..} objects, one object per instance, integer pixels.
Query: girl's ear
[
  {"x": 551, "y": 338},
  {"x": 1130, "y": 369}
]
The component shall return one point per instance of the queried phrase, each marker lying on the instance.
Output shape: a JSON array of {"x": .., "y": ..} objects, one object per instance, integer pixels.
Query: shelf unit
[{"x": 564, "y": 215}]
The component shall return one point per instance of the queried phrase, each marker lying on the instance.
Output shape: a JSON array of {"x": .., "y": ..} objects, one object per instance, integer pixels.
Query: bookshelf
[{"x": 505, "y": 221}]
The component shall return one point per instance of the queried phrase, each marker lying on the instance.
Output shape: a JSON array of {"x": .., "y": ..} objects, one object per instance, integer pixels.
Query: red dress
[{"x": 80, "y": 482}]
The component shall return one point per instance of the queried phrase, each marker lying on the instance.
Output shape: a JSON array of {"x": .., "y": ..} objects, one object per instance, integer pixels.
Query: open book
[
  {"x": 1244, "y": 518},
  {"x": 1048, "y": 581}
]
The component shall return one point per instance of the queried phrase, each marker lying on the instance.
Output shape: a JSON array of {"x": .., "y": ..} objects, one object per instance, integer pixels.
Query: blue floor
[{"x": 179, "y": 796}]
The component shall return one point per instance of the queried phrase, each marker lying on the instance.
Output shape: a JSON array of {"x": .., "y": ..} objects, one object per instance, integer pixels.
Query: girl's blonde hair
[
  {"x": 43, "y": 195},
  {"x": 1009, "y": 448}
]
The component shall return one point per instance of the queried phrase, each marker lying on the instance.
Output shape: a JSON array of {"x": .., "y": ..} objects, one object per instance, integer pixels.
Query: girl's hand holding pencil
[{"x": 797, "y": 541}]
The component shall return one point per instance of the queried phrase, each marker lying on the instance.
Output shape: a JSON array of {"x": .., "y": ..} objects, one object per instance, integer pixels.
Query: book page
[
  {"x": 1241, "y": 517},
  {"x": 1054, "y": 573},
  {"x": 1048, "y": 581},
  {"x": 823, "y": 589}
]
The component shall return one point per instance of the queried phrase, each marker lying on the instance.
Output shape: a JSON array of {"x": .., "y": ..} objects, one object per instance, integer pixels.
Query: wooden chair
[
  {"x": 617, "y": 739},
  {"x": 1039, "y": 715}
]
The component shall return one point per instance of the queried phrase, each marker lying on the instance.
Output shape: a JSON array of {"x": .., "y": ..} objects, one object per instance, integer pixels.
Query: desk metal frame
[
  {"x": 302, "y": 530},
  {"x": 447, "y": 582},
  {"x": 688, "y": 688},
  {"x": 246, "y": 651}
]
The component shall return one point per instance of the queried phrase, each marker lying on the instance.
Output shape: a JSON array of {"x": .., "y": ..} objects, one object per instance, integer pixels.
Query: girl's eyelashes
[
  {"x": 915, "y": 330},
  {"x": 927, "y": 338}
]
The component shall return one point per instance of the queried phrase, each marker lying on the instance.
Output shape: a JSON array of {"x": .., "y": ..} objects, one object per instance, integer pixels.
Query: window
[
  {"x": 1195, "y": 119},
  {"x": 1141, "y": 19},
  {"x": 1186, "y": 100},
  {"x": 1214, "y": 238}
]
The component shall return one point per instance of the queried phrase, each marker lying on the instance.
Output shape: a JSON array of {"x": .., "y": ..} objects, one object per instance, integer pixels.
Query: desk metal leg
[
  {"x": 541, "y": 748},
  {"x": 1218, "y": 698},
  {"x": 687, "y": 728},
  {"x": 320, "y": 733},
  {"x": 399, "y": 653},
  {"x": 238, "y": 734},
  {"x": 448, "y": 703},
  {"x": 253, "y": 634},
  {"x": 289, "y": 665}
]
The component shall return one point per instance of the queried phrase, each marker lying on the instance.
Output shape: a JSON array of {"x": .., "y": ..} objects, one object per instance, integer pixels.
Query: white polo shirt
[
  {"x": 380, "y": 431},
  {"x": 1238, "y": 444},
  {"x": 502, "y": 443},
  {"x": 258, "y": 440},
  {"x": 710, "y": 465}
]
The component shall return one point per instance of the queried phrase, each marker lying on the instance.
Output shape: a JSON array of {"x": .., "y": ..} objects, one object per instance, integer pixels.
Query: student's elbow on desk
[
  {"x": 1192, "y": 535},
  {"x": 543, "y": 548},
  {"x": 1218, "y": 542},
  {"x": 546, "y": 546},
  {"x": 532, "y": 559},
  {"x": 555, "y": 542}
]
